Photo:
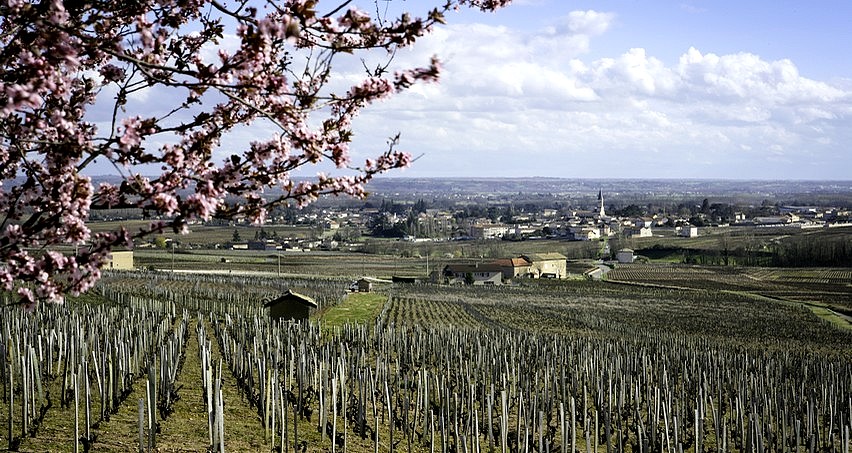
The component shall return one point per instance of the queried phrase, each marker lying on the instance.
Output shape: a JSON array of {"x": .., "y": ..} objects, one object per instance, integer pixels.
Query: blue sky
[{"x": 623, "y": 89}]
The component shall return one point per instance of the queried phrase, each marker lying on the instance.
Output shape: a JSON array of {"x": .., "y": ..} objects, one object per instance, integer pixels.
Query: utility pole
[{"x": 173, "y": 256}]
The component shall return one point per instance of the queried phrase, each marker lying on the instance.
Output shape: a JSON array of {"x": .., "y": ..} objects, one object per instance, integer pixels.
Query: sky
[
  {"x": 628, "y": 89},
  {"x": 707, "y": 89}
]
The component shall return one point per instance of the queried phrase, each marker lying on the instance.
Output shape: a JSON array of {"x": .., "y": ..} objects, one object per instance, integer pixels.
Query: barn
[{"x": 290, "y": 306}]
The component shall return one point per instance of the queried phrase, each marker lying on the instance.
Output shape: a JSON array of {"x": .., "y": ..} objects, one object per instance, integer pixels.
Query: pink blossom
[
  {"x": 203, "y": 206},
  {"x": 109, "y": 194},
  {"x": 279, "y": 74},
  {"x": 112, "y": 73},
  {"x": 130, "y": 137},
  {"x": 165, "y": 203}
]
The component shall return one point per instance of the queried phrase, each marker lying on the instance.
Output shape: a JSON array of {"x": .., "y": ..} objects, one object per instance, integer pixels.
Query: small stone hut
[
  {"x": 364, "y": 285},
  {"x": 290, "y": 306},
  {"x": 625, "y": 256}
]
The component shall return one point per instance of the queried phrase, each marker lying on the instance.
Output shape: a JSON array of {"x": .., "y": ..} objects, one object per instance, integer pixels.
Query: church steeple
[{"x": 602, "y": 213}]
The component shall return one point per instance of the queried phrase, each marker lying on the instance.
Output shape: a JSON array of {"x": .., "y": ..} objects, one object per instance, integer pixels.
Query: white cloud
[
  {"x": 746, "y": 75},
  {"x": 570, "y": 36},
  {"x": 589, "y": 23},
  {"x": 507, "y": 94}
]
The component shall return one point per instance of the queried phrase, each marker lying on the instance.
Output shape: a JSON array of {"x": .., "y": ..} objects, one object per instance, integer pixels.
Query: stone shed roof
[{"x": 292, "y": 296}]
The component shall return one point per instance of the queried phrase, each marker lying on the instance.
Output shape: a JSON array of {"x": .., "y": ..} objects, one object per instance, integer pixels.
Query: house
[
  {"x": 642, "y": 222},
  {"x": 524, "y": 229},
  {"x": 625, "y": 256},
  {"x": 585, "y": 233},
  {"x": 514, "y": 267},
  {"x": 488, "y": 231},
  {"x": 474, "y": 274},
  {"x": 637, "y": 232},
  {"x": 547, "y": 265},
  {"x": 688, "y": 232},
  {"x": 290, "y": 306},
  {"x": 119, "y": 260}
]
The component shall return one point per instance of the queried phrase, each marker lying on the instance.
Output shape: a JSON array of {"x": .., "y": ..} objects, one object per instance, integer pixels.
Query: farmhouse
[
  {"x": 362, "y": 285},
  {"x": 474, "y": 274},
  {"x": 777, "y": 220},
  {"x": 547, "y": 265},
  {"x": 290, "y": 306},
  {"x": 514, "y": 267},
  {"x": 262, "y": 245},
  {"x": 366, "y": 284}
]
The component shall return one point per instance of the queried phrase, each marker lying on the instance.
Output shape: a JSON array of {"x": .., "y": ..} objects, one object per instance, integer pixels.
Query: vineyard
[
  {"x": 830, "y": 287},
  {"x": 171, "y": 362},
  {"x": 339, "y": 264}
]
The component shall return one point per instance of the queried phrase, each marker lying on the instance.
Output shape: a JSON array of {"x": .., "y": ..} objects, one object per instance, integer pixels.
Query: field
[
  {"x": 207, "y": 236},
  {"x": 815, "y": 288},
  {"x": 653, "y": 358}
]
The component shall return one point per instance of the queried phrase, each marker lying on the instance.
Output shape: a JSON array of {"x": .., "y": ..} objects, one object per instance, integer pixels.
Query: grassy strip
[{"x": 358, "y": 308}]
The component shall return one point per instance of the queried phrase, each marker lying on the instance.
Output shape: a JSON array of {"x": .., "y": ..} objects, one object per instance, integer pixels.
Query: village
[
  {"x": 335, "y": 227},
  {"x": 499, "y": 241}
]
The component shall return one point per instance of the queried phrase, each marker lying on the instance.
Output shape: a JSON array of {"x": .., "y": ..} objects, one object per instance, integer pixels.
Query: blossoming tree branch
[{"x": 59, "y": 59}]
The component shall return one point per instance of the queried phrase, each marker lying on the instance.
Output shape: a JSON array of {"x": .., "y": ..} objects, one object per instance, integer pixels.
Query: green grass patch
[{"x": 356, "y": 308}]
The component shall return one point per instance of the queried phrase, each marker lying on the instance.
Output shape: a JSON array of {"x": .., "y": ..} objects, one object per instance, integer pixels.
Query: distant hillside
[
  {"x": 652, "y": 188},
  {"x": 803, "y": 192}
]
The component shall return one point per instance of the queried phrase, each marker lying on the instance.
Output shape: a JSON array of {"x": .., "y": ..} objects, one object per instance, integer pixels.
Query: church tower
[{"x": 601, "y": 200}]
